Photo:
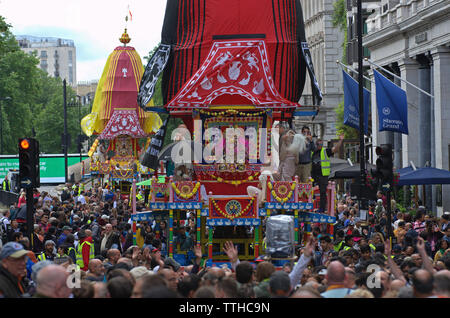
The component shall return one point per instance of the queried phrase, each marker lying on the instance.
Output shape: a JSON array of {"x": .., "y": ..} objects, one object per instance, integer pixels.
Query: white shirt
[{"x": 81, "y": 199}]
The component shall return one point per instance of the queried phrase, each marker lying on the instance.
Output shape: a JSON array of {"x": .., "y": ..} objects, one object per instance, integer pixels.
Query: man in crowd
[
  {"x": 303, "y": 170},
  {"x": 321, "y": 168}
]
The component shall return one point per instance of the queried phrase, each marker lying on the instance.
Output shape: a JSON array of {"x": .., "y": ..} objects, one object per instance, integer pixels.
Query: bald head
[
  {"x": 442, "y": 283},
  {"x": 335, "y": 273},
  {"x": 397, "y": 284},
  {"x": 217, "y": 271},
  {"x": 51, "y": 281},
  {"x": 422, "y": 283}
]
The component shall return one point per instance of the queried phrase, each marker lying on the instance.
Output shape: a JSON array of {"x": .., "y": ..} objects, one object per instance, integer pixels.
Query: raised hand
[
  {"x": 231, "y": 251},
  {"x": 309, "y": 248}
]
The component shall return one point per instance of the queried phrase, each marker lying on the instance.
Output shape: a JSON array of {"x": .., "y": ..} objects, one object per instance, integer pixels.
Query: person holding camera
[{"x": 303, "y": 170}]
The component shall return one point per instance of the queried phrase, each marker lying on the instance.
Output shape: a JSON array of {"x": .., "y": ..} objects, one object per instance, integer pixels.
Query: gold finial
[{"x": 125, "y": 38}]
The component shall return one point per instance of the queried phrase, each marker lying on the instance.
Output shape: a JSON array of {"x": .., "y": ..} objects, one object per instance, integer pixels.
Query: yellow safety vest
[
  {"x": 42, "y": 257},
  {"x": 338, "y": 246},
  {"x": 325, "y": 163},
  {"x": 80, "y": 261}
]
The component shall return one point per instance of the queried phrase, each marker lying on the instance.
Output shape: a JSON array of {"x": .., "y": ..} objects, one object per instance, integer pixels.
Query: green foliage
[
  {"x": 349, "y": 132},
  {"x": 340, "y": 21},
  {"x": 35, "y": 101}
]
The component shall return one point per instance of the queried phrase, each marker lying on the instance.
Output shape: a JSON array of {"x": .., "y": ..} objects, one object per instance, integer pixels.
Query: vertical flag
[
  {"x": 351, "y": 103},
  {"x": 129, "y": 12},
  {"x": 392, "y": 105},
  {"x": 150, "y": 158},
  {"x": 317, "y": 93}
]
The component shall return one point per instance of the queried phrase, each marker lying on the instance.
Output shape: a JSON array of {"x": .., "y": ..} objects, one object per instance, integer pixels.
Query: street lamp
[
  {"x": 77, "y": 103},
  {"x": 7, "y": 98}
]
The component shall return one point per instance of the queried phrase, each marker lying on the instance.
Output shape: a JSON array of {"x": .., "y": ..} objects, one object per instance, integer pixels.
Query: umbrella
[
  {"x": 427, "y": 175},
  {"x": 351, "y": 172},
  {"x": 145, "y": 182},
  {"x": 402, "y": 171},
  {"x": 166, "y": 152},
  {"x": 161, "y": 179}
]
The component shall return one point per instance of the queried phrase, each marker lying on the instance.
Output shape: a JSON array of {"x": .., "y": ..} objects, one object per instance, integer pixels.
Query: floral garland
[
  {"x": 274, "y": 194},
  {"x": 188, "y": 195},
  {"x": 232, "y": 112},
  {"x": 229, "y": 216},
  {"x": 234, "y": 182}
]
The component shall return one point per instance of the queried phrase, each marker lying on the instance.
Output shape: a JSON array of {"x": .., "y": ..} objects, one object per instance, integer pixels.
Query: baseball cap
[
  {"x": 172, "y": 263},
  {"x": 68, "y": 228},
  {"x": 323, "y": 271},
  {"x": 12, "y": 249},
  {"x": 140, "y": 271}
]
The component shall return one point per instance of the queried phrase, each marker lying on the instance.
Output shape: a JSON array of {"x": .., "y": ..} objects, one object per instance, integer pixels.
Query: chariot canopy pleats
[{"x": 227, "y": 53}]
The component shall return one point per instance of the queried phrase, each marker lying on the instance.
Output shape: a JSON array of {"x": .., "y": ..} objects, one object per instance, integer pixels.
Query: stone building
[
  {"x": 411, "y": 38},
  {"x": 57, "y": 56},
  {"x": 325, "y": 42}
]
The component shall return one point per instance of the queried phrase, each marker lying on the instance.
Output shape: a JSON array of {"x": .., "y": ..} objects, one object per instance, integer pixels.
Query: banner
[
  {"x": 306, "y": 54},
  {"x": 392, "y": 105},
  {"x": 152, "y": 72},
  {"x": 150, "y": 158},
  {"x": 233, "y": 208},
  {"x": 351, "y": 103}
]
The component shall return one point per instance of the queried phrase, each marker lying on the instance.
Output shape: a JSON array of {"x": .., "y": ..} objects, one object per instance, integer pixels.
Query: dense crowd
[{"x": 92, "y": 229}]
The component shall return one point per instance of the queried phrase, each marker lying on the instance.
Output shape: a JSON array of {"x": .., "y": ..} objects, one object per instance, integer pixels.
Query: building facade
[
  {"x": 86, "y": 91},
  {"x": 325, "y": 43},
  {"x": 411, "y": 38},
  {"x": 57, "y": 56}
]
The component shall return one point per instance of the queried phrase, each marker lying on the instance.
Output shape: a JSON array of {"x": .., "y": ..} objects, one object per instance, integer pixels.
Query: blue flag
[
  {"x": 392, "y": 105},
  {"x": 351, "y": 103}
]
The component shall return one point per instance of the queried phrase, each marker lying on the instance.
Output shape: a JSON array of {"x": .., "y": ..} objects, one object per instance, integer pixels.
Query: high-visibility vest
[
  {"x": 346, "y": 248},
  {"x": 42, "y": 257},
  {"x": 80, "y": 261},
  {"x": 325, "y": 163},
  {"x": 69, "y": 250},
  {"x": 6, "y": 185},
  {"x": 337, "y": 247},
  {"x": 81, "y": 188}
]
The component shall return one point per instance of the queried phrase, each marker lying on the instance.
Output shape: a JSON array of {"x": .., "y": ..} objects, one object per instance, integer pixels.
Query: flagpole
[
  {"x": 398, "y": 77},
  {"x": 353, "y": 70},
  {"x": 361, "y": 101}
]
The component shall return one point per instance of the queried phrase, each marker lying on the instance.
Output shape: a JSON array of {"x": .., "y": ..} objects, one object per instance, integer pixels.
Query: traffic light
[
  {"x": 384, "y": 164},
  {"x": 29, "y": 176}
]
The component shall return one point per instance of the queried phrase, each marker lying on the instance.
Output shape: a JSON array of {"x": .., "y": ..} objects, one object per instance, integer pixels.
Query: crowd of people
[{"x": 82, "y": 247}]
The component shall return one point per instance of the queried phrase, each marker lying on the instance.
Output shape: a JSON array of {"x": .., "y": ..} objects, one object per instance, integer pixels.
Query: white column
[
  {"x": 441, "y": 60},
  {"x": 410, "y": 148},
  {"x": 374, "y": 113}
]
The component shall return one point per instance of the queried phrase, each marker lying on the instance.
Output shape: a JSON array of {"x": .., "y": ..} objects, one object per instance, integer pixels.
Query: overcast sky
[{"x": 94, "y": 25}]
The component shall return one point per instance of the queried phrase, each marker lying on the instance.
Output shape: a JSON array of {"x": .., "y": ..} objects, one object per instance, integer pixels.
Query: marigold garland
[
  {"x": 234, "y": 182},
  {"x": 229, "y": 216},
  {"x": 284, "y": 200},
  {"x": 188, "y": 195},
  {"x": 232, "y": 112}
]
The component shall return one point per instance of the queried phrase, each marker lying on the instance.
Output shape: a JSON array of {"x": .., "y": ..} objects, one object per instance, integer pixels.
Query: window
[{"x": 43, "y": 54}]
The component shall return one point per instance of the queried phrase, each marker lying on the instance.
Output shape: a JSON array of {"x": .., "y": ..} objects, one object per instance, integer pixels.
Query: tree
[
  {"x": 19, "y": 81},
  {"x": 340, "y": 21}
]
